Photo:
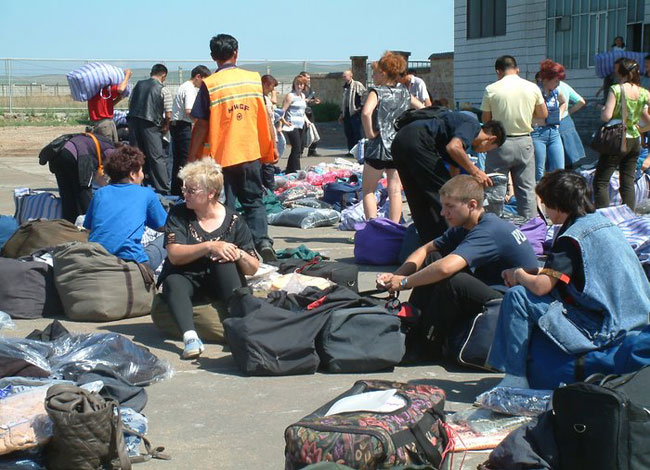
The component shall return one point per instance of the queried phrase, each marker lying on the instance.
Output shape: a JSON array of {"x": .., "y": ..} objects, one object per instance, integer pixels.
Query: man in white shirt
[
  {"x": 181, "y": 123},
  {"x": 514, "y": 101},
  {"x": 417, "y": 87}
]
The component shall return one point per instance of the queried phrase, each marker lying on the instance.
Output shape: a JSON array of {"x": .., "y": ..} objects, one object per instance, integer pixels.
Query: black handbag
[
  {"x": 604, "y": 423},
  {"x": 610, "y": 139}
]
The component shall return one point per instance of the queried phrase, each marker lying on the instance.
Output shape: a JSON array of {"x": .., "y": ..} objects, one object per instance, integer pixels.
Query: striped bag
[
  {"x": 85, "y": 82},
  {"x": 32, "y": 204},
  {"x": 641, "y": 187}
]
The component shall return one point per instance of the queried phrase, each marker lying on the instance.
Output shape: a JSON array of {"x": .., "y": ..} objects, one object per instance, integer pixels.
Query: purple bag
[
  {"x": 378, "y": 242},
  {"x": 535, "y": 231}
]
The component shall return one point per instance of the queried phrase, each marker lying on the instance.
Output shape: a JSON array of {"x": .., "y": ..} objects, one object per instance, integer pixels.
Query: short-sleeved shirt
[
  {"x": 167, "y": 99},
  {"x": 183, "y": 100},
  {"x": 512, "y": 101},
  {"x": 183, "y": 227},
  {"x": 490, "y": 247},
  {"x": 564, "y": 263},
  {"x": 117, "y": 216},
  {"x": 418, "y": 89},
  {"x": 449, "y": 125},
  {"x": 634, "y": 109},
  {"x": 101, "y": 105},
  {"x": 570, "y": 94}
]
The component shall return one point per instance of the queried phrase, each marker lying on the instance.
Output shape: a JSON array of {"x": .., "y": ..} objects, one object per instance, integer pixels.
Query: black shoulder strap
[{"x": 418, "y": 434}]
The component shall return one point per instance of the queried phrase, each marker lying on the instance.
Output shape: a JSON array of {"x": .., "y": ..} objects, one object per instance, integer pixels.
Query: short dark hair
[
  {"x": 496, "y": 129},
  {"x": 201, "y": 70},
  {"x": 304, "y": 73},
  {"x": 223, "y": 47},
  {"x": 411, "y": 71},
  {"x": 123, "y": 161},
  {"x": 565, "y": 191},
  {"x": 269, "y": 79},
  {"x": 158, "y": 69},
  {"x": 647, "y": 57},
  {"x": 505, "y": 62}
]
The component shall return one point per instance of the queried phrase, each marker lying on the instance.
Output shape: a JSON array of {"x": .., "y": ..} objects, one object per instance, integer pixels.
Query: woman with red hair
[{"x": 549, "y": 151}]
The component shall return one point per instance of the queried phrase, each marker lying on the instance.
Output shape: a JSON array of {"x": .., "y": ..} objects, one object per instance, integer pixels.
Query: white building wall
[{"x": 525, "y": 39}]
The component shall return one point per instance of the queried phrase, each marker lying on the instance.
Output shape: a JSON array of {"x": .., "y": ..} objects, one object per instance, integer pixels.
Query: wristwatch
[{"x": 403, "y": 282}]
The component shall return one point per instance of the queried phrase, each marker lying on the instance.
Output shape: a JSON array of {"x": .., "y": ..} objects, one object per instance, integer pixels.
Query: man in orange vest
[{"x": 231, "y": 126}]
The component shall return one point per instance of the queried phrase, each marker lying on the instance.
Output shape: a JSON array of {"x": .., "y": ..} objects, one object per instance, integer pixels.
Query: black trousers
[
  {"x": 179, "y": 290},
  {"x": 75, "y": 198},
  {"x": 422, "y": 172},
  {"x": 244, "y": 182},
  {"x": 352, "y": 129},
  {"x": 181, "y": 132},
  {"x": 626, "y": 165},
  {"x": 147, "y": 137},
  {"x": 449, "y": 306},
  {"x": 294, "y": 138}
]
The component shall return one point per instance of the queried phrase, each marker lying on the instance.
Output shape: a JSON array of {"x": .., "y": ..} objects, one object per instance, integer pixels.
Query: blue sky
[{"x": 145, "y": 29}]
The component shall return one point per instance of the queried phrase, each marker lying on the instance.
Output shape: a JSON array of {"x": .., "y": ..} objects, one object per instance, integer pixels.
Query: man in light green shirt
[{"x": 514, "y": 101}]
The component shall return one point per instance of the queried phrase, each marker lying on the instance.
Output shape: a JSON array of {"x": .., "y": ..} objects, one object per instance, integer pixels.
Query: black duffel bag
[
  {"x": 604, "y": 423},
  {"x": 269, "y": 340},
  {"x": 343, "y": 274},
  {"x": 475, "y": 349},
  {"x": 365, "y": 335}
]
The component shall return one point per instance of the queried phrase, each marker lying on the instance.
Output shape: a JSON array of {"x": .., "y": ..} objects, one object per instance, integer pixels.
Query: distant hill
[{"x": 53, "y": 73}]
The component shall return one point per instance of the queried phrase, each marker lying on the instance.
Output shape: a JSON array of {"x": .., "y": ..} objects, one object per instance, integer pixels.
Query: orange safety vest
[{"x": 239, "y": 130}]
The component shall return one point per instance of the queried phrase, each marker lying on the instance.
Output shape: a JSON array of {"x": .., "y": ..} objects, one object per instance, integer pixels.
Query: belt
[{"x": 518, "y": 135}]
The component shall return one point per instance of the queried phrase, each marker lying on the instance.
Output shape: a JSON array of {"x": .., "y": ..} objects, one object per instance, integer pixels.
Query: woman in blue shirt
[
  {"x": 549, "y": 151},
  {"x": 119, "y": 212}
]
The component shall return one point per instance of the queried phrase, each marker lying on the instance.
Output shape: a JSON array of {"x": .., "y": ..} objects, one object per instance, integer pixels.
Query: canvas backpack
[{"x": 604, "y": 423}]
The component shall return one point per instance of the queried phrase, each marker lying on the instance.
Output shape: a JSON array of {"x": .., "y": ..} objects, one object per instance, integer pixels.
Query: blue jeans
[
  {"x": 573, "y": 148},
  {"x": 520, "y": 311},
  {"x": 549, "y": 150}
]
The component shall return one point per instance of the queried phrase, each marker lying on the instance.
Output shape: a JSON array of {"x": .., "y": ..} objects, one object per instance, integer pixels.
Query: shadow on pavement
[{"x": 461, "y": 391}]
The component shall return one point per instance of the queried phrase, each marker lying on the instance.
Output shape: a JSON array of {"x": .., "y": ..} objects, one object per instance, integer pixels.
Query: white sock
[
  {"x": 190, "y": 334},
  {"x": 514, "y": 381}
]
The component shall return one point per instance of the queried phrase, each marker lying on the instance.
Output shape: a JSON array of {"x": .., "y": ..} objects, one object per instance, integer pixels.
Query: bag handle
[
  {"x": 151, "y": 452},
  {"x": 418, "y": 434},
  {"x": 100, "y": 167},
  {"x": 624, "y": 117}
]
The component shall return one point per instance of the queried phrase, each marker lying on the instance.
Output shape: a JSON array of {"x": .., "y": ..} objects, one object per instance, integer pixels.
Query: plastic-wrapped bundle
[
  {"x": 71, "y": 355},
  {"x": 495, "y": 195},
  {"x": 85, "y": 82},
  {"x": 515, "y": 401},
  {"x": 305, "y": 217},
  {"x": 307, "y": 202},
  {"x": 301, "y": 191},
  {"x": 120, "y": 117}
]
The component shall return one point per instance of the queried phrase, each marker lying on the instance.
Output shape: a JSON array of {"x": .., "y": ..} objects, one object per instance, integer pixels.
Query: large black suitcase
[{"x": 604, "y": 422}]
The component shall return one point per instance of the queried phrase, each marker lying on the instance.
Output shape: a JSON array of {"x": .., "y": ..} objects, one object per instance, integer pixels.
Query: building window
[
  {"x": 577, "y": 30},
  {"x": 486, "y": 18}
]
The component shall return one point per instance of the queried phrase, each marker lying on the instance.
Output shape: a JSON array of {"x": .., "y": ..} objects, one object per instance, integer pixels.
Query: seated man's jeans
[{"x": 520, "y": 311}]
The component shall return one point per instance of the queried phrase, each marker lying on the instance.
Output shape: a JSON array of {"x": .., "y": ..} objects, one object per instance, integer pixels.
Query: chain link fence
[{"x": 40, "y": 85}]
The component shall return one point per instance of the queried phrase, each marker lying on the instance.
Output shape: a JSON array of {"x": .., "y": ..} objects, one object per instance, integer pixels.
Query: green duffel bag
[
  {"x": 95, "y": 285},
  {"x": 208, "y": 317},
  {"x": 41, "y": 233}
]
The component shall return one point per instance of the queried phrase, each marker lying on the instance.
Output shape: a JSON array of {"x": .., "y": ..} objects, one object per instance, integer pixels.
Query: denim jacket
[{"x": 616, "y": 295}]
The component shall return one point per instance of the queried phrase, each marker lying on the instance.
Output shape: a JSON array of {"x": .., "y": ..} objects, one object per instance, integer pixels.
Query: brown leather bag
[{"x": 41, "y": 233}]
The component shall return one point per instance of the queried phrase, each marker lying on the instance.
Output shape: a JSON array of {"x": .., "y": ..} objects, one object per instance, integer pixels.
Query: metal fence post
[{"x": 11, "y": 91}]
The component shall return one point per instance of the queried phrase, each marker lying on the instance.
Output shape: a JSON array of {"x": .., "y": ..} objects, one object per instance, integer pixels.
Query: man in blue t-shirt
[
  {"x": 428, "y": 152},
  {"x": 469, "y": 258}
]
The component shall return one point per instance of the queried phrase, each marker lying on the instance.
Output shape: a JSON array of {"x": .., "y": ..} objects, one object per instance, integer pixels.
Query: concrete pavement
[{"x": 210, "y": 416}]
